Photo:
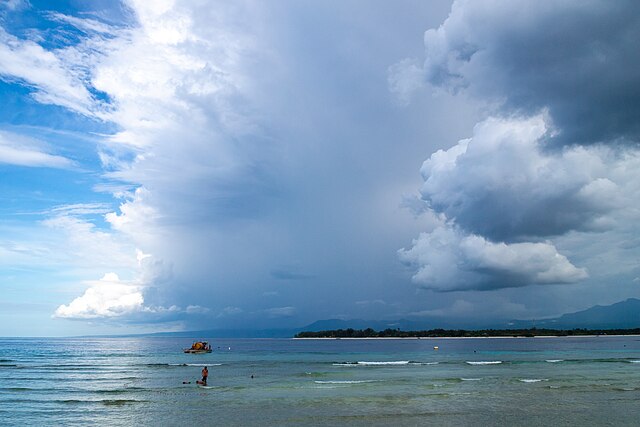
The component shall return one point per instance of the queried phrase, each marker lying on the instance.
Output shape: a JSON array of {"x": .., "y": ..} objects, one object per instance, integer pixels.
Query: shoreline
[{"x": 462, "y": 338}]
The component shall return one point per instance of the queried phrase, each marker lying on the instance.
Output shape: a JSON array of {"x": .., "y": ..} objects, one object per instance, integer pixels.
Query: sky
[{"x": 197, "y": 165}]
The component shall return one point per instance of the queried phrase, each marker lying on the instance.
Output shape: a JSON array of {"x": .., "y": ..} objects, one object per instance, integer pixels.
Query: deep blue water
[{"x": 502, "y": 381}]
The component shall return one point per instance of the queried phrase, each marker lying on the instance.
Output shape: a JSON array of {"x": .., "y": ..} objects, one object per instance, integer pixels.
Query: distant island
[{"x": 462, "y": 333}]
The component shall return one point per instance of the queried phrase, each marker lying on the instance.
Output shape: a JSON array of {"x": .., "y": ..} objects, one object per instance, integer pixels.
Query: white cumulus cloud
[
  {"x": 449, "y": 260},
  {"x": 554, "y": 169},
  {"x": 105, "y": 298},
  {"x": 504, "y": 184}
]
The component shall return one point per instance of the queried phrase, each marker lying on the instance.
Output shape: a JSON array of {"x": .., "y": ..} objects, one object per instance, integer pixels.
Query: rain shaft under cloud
[{"x": 238, "y": 159}]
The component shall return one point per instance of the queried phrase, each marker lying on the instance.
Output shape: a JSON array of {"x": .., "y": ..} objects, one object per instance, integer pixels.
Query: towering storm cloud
[
  {"x": 242, "y": 150},
  {"x": 186, "y": 154}
]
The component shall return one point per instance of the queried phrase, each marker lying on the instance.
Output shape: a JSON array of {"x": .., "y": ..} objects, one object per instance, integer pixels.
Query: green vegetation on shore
[{"x": 461, "y": 333}]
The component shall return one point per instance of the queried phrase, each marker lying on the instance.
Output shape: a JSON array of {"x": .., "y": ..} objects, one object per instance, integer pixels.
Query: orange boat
[{"x": 199, "y": 347}]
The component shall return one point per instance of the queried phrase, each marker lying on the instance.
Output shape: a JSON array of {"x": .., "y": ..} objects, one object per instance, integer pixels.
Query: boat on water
[{"x": 199, "y": 347}]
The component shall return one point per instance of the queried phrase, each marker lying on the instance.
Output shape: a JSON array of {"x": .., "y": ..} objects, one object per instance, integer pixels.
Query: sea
[{"x": 571, "y": 381}]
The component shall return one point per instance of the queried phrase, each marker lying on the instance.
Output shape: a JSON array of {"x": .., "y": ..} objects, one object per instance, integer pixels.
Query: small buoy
[{"x": 435, "y": 347}]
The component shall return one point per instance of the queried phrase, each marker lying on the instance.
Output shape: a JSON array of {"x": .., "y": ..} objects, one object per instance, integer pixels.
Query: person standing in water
[{"x": 205, "y": 374}]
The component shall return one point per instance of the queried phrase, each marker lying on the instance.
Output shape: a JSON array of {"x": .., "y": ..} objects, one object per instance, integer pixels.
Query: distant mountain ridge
[{"x": 623, "y": 314}]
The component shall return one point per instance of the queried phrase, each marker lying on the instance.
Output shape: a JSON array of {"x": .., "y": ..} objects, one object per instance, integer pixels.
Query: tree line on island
[{"x": 461, "y": 333}]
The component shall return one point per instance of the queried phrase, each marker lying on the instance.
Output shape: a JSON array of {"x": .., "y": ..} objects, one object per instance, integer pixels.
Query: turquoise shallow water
[{"x": 139, "y": 381}]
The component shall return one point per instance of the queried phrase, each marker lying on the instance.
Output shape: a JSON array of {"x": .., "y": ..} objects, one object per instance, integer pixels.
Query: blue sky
[{"x": 169, "y": 165}]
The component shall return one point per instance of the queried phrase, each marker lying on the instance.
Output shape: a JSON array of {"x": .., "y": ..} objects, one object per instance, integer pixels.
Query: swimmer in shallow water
[{"x": 205, "y": 375}]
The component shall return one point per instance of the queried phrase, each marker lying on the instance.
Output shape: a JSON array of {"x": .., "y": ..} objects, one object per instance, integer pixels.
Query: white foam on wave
[
  {"x": 393, "y": 363},
  {"x": 470, "y": 379},
  {"x": 195, "y": 364},
  {"x": 532, "y": 380},
  {"x": 486, "y": 362},
  {"x": 346, "y": 382},
  {"x": 397, "y": 362},
  {"x": 554, "y": 360},
  {"x": 634, "y": 361}
]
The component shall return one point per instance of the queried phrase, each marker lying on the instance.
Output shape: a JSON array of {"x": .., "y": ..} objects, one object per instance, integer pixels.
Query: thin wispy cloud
[
  {"x": 52, "y": 81},
  {"x": 19, "y": 150}
]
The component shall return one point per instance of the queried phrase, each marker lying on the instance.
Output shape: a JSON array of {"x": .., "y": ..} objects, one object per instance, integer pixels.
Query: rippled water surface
[{"x": 504, "y": 381}]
